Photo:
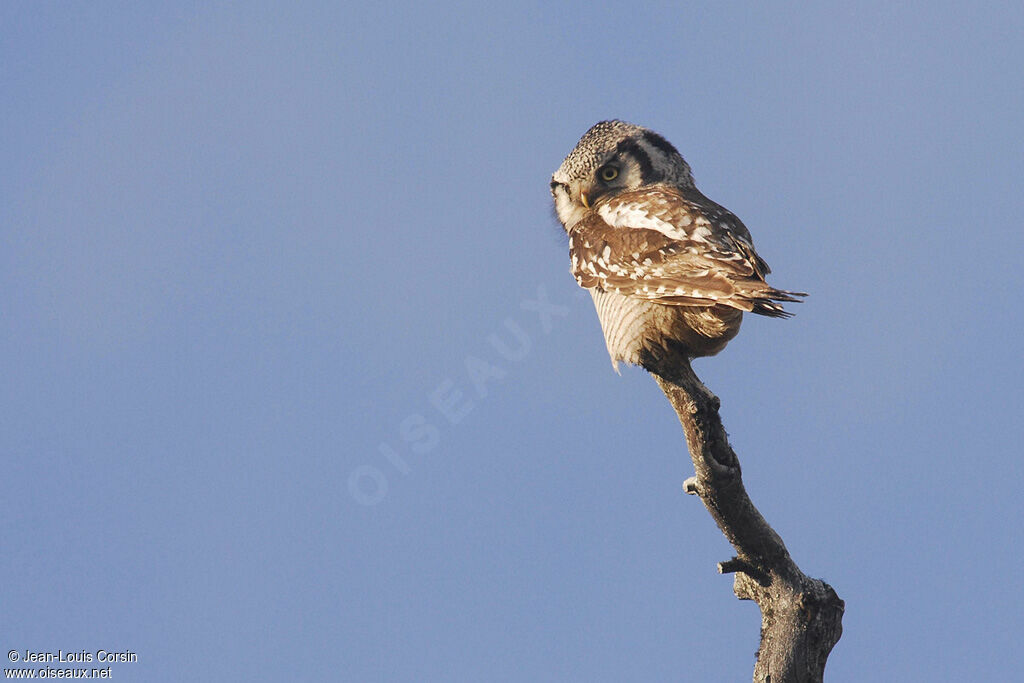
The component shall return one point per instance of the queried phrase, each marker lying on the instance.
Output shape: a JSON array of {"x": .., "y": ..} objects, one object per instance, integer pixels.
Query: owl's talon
[{"x": 691, "y": 487}]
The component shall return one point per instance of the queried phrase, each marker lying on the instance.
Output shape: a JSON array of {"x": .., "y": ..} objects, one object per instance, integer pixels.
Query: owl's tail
[{"x": 766, "y": 301}]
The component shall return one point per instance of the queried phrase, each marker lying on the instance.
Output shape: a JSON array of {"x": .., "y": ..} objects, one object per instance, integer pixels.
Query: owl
[{"x": 670, "y": 271}]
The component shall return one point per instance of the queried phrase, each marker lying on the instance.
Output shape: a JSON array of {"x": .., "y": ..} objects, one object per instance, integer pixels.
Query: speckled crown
[
  {"x": 595, "y": 145},
  {"x": 605, "y": 137}
]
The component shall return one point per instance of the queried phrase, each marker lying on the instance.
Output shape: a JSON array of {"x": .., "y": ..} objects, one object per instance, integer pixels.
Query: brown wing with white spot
[{"x": 658, "y": 245}]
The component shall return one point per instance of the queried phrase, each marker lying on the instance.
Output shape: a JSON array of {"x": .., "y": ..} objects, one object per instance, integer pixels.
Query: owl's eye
[{"x": 608, "y": 173}]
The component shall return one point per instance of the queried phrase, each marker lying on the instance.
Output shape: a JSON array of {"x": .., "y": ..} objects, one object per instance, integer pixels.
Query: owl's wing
[{"x": 657, "y": 245}]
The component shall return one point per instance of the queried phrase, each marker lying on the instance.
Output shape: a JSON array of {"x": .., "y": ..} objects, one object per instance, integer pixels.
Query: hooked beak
[{"x": 569, "y": 188}]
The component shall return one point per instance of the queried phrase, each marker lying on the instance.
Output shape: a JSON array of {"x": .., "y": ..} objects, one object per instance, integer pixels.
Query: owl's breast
[{"x": 637, "y": 330}]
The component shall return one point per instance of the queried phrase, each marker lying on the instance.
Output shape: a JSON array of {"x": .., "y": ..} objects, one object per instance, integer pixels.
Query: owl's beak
[{"x": 584, "y": 199}]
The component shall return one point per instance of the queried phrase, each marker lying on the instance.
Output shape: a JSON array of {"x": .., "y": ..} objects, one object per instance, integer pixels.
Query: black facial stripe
[
  {"x": 633, "y": 148},
  {"x": 659, "y": 142}
]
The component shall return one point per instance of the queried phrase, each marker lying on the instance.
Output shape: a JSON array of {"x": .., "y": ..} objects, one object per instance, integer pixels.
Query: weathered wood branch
[{"x": 801, "y": 617}]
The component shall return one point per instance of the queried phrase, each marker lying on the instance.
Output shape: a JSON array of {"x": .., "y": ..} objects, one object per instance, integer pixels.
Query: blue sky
[{"x": 297, "y": 386}]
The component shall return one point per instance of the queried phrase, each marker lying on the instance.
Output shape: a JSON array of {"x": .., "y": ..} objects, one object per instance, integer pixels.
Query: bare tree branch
[{"x": 801, "y": 617}]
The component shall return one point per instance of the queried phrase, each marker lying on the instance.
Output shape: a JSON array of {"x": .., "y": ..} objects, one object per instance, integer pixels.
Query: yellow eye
[{"x": 609, "y": 173}]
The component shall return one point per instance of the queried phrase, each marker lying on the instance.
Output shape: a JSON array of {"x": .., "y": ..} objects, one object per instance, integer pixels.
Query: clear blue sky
[{"x": 242, "y": 247}]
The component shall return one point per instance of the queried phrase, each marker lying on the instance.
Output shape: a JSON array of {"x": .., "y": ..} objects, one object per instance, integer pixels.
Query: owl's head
[{"x": 610, "y": 158}]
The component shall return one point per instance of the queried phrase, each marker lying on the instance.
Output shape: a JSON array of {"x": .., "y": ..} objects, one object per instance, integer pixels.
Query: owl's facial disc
[{"x": 569, "y": 204}]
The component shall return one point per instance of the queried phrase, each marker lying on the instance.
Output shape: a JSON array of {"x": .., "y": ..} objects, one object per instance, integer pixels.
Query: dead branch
[{"x": 801, "y": 617}]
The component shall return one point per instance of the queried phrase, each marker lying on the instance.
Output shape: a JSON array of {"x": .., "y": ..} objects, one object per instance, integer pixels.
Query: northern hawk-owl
[{"x": 670, "y": 271}]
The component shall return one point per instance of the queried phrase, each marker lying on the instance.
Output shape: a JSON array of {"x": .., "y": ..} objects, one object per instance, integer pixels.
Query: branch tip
[
  {"x": 737, "y": 565},
  {"x": 691, "y": 487}
]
